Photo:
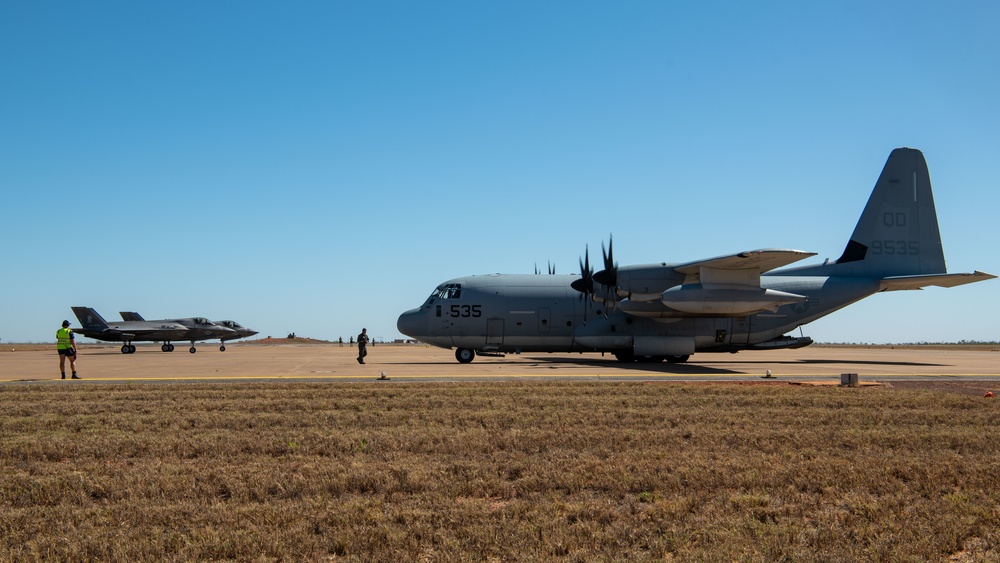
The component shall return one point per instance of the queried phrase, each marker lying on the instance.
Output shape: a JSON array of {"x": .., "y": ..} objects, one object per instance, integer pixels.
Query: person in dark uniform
[
  {"x": 66, "y": 346},
  {"x": 362, "y": 345}
]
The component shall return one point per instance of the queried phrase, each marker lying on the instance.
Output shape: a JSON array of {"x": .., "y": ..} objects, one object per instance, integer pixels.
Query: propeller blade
[
  {"x": 585, "y": 284},
  {"x": 608, "y": 277}
]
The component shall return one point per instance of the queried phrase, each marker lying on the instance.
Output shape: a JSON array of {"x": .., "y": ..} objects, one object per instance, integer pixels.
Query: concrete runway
[{"x": 401, "y": 363}]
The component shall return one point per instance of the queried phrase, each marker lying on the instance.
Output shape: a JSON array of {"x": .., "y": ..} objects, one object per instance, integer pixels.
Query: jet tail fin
[
  {"x": 131, "y": 316},
  {"x": 897, "y": 234},
  {"x": 90, "y": 319}
]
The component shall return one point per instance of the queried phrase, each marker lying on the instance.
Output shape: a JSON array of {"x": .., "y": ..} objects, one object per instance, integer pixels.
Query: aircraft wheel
[
  {"x": 165, "y": 348},
  {"x": 192, "y": 350},
  {"x": 464, "y": 355},
  {"x": 222, "y": 348},
  {"x": 125, "y": 349},
  {"x": 170, "y": 347},
  {"x": 677, "y": 359}
]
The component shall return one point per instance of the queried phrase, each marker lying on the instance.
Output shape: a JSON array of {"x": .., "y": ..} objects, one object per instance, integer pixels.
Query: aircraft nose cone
[
  {"x": 249, "y": 332},
  {"x": 412, "y": 323}
]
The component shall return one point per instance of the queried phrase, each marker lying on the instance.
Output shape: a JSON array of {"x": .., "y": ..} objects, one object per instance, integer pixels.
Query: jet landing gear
[
  {"x": 128, "y": 348},
  {"x": 222, "y": 347},
  {"x": 167, "y": 347}
]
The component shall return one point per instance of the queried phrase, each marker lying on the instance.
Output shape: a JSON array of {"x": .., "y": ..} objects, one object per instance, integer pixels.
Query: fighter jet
[
  {"x": 94, "y": 326},
  {"x": 743, "y": 301},
  {"x": 240, "y": 330},
  {"x": 199, "y": 328}
]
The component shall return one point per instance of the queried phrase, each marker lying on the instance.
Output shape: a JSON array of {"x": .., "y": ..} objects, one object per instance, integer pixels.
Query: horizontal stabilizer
[{"x": 899, "y": 283}]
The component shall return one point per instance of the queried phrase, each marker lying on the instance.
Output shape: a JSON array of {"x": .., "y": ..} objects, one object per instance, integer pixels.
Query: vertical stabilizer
[
  {"x": 897, "y": 234},
  {"x": 89, "y": 318}
]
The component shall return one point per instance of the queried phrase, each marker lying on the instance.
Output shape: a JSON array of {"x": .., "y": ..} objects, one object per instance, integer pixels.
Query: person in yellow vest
[{"x": 66, "y": 346}]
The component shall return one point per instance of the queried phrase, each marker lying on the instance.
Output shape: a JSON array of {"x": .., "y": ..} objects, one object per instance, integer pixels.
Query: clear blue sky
[{"x": 317, "y": 167}]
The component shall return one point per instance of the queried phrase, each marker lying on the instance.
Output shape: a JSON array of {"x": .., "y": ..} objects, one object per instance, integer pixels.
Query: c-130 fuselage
[{"x": 663, "y": 311}]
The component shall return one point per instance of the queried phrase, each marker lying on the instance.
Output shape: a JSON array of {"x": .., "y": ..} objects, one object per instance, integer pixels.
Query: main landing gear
[
  {"x": 168, "y": 347},
  {"x": 128, "y": 348},
  {"x": 464, "y": 355}
]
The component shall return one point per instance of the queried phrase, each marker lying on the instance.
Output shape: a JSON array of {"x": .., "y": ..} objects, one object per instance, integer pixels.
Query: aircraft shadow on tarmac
[
  {"x": 694, "y": 368},
  {"x": 117, "y": 352},
  {"x": 562, "y": 362}
]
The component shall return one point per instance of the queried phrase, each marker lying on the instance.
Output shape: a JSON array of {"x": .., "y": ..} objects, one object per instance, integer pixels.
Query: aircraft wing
[
  {"x": 756, "y": 261},
  {"x": 899, "y": 283}
]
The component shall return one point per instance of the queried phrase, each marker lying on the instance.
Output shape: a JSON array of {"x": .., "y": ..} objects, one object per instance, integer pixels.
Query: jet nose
[
  {"x": 412, "y": 323},
  {"x": 249, "y": 332}
]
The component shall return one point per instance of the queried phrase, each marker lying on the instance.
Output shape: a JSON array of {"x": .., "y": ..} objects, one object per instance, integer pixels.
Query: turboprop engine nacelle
[{"x": 701, "y": 300}]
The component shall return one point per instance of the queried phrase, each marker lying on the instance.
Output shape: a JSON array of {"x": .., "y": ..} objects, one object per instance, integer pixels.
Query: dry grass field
[{"x": 517, "y": 470}]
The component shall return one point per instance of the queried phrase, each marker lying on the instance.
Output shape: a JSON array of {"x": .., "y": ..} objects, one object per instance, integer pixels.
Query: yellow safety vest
[{"x": 64, "y": 339}]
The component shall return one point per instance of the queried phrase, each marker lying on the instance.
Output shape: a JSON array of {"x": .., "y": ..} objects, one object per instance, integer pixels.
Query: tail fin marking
[{"x": 897, "y": 234}]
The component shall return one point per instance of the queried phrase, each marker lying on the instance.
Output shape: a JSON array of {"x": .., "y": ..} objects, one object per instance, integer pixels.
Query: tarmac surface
[{"x": 402, "y": 363}]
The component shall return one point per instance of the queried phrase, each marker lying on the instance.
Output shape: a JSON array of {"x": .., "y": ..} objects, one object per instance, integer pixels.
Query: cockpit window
[{"x": 448, "y": 291}]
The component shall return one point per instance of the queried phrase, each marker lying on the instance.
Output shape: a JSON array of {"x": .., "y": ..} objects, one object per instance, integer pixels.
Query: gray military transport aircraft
[
  {"x": 235, "y": 330},
  {"x": 656, "y": 312}
]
